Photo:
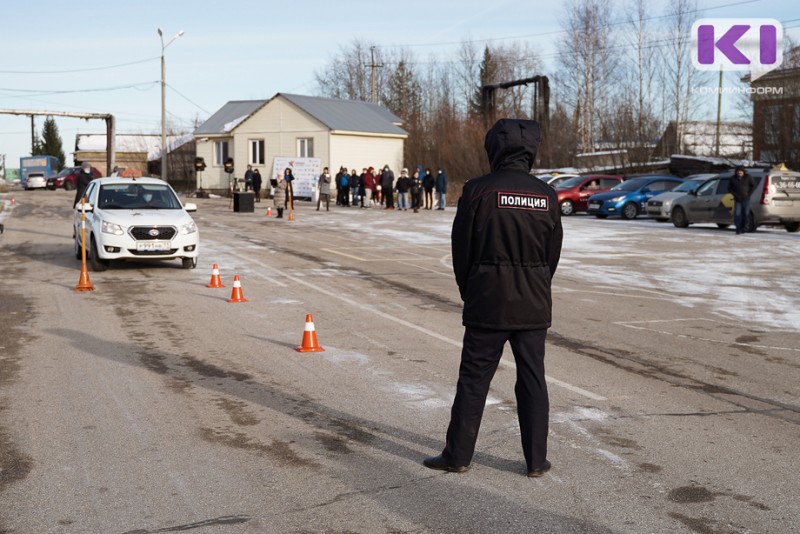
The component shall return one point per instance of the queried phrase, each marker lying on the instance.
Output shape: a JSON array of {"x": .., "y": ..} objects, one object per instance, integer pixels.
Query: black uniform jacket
[{"x": 506, "y": 237}]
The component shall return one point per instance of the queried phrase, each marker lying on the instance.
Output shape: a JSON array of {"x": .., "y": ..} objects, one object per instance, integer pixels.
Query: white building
[{"x": 340, "y": 133}]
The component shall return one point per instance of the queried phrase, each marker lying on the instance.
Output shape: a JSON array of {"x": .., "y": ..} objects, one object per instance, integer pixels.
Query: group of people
[
  {"x": 252, "y": 181},
  {"x": 377, "y": 188},
  {"x": 368, "y": 189}
]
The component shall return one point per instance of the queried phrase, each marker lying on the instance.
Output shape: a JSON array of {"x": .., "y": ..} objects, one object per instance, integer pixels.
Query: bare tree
[
  {"x": 678, "y": 67},
  {"x": 348, "y": 75},
  {"x": 645, "y": 67},
  {"x": 586, "y": 61},
  {"x": 468, "y": 74}
]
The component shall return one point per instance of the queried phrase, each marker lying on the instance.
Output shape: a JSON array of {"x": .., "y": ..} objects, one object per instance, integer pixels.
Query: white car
[
  {"x": 135, "y": 218},
  {"x": 35, "y": 180}
]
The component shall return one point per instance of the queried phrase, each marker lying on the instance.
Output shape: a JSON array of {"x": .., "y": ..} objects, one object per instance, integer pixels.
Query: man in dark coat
[
  {"x": 741, "y": 186},
  {"x": 248, "y": 178},
  {"x": 506, "y": 244},
  {"x": 84, "y": 177},
  {"x": 257, "y": 184},
  {"x": 441, "y": 189},
  {"x": 387, "y": 187}
]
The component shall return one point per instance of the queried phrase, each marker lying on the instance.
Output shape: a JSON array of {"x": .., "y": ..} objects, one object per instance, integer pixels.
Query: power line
[
  {"x": 89, "y": 69},
  {"x": 652, "y": 44},
  {"x": 38, "y": 92},
  {"x": 198, "y": 106},
  {"x": 556, "y": 32}
]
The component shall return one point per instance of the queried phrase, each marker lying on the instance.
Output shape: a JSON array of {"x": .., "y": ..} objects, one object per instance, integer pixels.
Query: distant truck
[{"x": 45, "y": 166}]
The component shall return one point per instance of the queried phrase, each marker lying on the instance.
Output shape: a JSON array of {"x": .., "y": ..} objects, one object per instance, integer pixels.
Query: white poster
[{"x": 306, "y": 173}]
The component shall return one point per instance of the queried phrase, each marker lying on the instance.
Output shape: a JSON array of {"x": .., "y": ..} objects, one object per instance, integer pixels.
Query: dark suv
[{"x": 68, "y": 178}]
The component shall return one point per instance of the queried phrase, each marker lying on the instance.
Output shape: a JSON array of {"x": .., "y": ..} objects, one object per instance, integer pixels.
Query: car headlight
[
  {"x": 189, "y": 228},
  {"x": 617, "y": 199},
  {"x": 111, "y": 228},
  {"x": 667, "y": 204}
]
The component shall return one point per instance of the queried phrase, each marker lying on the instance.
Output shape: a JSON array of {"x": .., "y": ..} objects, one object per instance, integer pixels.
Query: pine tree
[
  {"x": 51, "y": 142},
  {"x": 487, "y": 75}
]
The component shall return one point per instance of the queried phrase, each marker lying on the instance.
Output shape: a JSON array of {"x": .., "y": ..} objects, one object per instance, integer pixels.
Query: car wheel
[
  {"x": 679, "y": 218},
  {"x": 722, "y": 225},
  {"x": 567, "y": 208},
  {"x": 98, "y": 265},
  {"x": 792, "y": 226},
  {"x": 189, "y": 263},
  {"x": 78, "y": 254},
  {"x": 751, "y": 223},
  {"x": 601, "y": 215},
  {"x": 68, "y": 186},
  {"x": 629, "y": 211}
]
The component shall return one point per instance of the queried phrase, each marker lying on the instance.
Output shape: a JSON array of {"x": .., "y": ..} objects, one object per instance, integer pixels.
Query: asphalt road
[{"x": 154, "y": 405}]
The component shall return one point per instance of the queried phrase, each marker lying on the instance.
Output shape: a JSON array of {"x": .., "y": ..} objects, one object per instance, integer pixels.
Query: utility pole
[
  {"x": 163, "y": 103},
  {"x": 33, "y": 136},
  {"x": 374, "y": 73}
]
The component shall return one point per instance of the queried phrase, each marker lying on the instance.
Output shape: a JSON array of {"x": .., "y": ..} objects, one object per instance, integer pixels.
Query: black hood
[{"x": 511, "y": 144}]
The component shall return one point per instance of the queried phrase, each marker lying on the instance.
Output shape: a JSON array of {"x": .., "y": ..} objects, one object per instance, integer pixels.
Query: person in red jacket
[{"x": 506, "y": 244}]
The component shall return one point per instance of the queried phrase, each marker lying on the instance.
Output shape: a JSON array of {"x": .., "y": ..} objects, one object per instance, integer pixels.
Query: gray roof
[
  {"x": 229, "y": 116},
  {"x": 348, "y": 115},
  {"x": 337, "y": 115}
]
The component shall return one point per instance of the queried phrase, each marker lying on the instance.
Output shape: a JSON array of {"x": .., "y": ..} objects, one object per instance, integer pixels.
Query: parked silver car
[
  {"x": 775, "y": 201},
  {"x": 660, "y": 206}
]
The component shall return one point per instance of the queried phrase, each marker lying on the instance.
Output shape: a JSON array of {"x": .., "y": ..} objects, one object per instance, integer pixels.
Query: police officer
[{"x": 506, "y": 243}]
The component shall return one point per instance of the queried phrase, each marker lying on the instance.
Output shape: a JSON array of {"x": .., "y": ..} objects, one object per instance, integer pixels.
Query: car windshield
[
  {"x": 630, "y": 185},
  {"x": 65, "y": 172},
  {"x": 137, "y": 196},
  {"x": 689, "y": 186},
  {"x": 569, "y": 183}
]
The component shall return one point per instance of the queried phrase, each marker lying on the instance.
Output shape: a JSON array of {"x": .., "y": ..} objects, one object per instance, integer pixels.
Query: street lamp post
[{"x": 163, "y": 104}]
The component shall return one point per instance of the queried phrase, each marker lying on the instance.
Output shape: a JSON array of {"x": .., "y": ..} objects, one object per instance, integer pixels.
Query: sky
[{"x": 92, "y": 56}]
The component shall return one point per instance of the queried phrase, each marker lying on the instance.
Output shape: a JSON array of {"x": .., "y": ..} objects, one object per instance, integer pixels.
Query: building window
[
  {"x": 305, "y": 147},
  {"x": 796, "y": 124},
  {"x": 256, "y": 152},
  {"x": 220, "y": 152},
  {"x": 771, "y": 128}
]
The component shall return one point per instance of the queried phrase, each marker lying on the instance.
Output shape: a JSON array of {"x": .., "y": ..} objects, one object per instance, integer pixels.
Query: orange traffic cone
[
  {"x": 13, "y": 201},
  {"x": 215, "y": 280},
  {"x": 236, "y": 294},
  {"x": 84, "y": 284},
  {"x": 309, "y": 338},
  {"x": 269, "y": 211}
]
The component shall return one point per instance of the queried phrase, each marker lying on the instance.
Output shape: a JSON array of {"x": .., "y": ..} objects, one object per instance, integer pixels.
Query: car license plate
[
  {"x": 150, "y": 246},
  {"x": 784, "y": 202},
  {"x": 594, "y": 205}
]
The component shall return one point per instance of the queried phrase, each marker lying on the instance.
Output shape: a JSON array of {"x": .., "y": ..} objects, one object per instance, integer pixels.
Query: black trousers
[{"x": 480, "y": 357}]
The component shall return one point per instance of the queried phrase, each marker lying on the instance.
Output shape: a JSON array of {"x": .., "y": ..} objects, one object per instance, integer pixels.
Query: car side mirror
[{"x": 190, "y": 207}]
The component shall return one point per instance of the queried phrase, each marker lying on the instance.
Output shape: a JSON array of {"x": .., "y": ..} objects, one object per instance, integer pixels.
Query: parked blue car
[{"x": 629, "y": 198}]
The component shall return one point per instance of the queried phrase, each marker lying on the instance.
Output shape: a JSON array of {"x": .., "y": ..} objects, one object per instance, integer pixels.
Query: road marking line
[
  {"x": 609, "y": 293},
  {"x": 426, "y": 268},
  {"x": 631, "y": 324},
  {"x": 431, "y": 333}
]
